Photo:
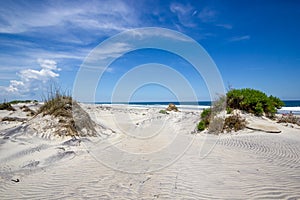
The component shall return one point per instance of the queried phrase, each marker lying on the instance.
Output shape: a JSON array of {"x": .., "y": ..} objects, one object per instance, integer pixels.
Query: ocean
[{"x": 290, "y": 105}]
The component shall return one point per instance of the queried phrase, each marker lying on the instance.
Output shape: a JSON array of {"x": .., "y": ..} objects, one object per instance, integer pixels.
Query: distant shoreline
[{"x": 288, "y": 103}]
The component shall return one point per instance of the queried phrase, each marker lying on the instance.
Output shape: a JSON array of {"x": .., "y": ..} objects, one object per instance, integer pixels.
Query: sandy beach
[{"x": 140, "y": 153}]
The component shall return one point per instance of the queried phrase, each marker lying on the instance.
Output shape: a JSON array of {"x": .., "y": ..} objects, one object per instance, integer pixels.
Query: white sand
[{"x": 150, "y": 156}]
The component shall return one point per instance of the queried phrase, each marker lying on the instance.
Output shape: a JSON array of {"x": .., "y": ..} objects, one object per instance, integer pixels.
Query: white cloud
[
  {"x": 239, "y": 38},
  {"x": 33, "y": 80},
  {"x": 47, "y": 64}
]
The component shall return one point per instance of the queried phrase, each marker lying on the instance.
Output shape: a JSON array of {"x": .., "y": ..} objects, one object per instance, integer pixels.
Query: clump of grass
[
  {"x": 163, "y": 112},
  {"x": 28, "y": 110},
  {"x": 13, "y": 119},
  {"x": 63, "y": 107},
  {"x": 6, "y": 106},
  {"x": 57, "y": 104}
]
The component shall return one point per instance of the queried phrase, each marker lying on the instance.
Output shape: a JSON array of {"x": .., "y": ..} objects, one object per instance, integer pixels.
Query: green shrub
[
  {"x": 205, "y": 118},
  {"x": 205, "y": 115},
  {"x": 229, "y": 110},
  {"x": 163, "y": 112},
  {"x": 201, "y": 126},
  {"x": 253, "y": 101}
]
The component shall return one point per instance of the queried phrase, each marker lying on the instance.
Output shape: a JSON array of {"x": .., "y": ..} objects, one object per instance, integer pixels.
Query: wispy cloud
[
  {"x": 20, "y": 17},
  {"x": 207, "y": 15},
  {"x": 184, "y": 13},
  {"x": 239, "y": 38},
  {"x": 226, "y": 26}
]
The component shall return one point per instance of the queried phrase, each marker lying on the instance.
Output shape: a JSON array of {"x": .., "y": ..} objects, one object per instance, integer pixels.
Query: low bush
[
  {"x": 253, "y": 101},
  {"x": 234, "y": 122},
  {"x": 205, "y": 118},
  {"x": 201, "y": 126}
]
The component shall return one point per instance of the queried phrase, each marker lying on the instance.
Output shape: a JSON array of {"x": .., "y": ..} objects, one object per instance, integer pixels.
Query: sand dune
[{"x": 149, "y": 155}]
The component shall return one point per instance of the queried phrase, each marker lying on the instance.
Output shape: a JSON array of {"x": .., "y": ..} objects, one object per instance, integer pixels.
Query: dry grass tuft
[
  {"x": 73, "y": 120},
  {"x": 234, "y": 122},
  {"x": 290, "y": 118},
  {"x": 6, "y": 106}
]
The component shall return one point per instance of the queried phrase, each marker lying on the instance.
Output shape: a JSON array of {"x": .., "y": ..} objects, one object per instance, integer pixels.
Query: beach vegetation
[
  {"x": 62, "y": 106},
  {"x": 57, "y": 104},
  {"x": 6, "y": 106},
  {"x": 234, "y": 122},
  {"x": 201, "y": 126},
  {"x": 23, "y": 101},
  {"x": 172, "y": 107},
  {"x": 25, "y": 108},
  {"x": 205, "y": 119},
  {"x": 163, "y": 112},
  {"x": 253, "y": 101},
  {"x": 289, "y": 118}
]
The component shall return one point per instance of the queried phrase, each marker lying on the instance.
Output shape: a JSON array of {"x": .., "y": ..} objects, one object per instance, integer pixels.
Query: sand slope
[{"x": 152, "y": 162}]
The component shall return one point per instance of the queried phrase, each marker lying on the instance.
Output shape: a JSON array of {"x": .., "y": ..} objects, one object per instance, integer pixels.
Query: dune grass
[
  {"x": 57, "y": 103},
  {"x": 6, "y": 106}
]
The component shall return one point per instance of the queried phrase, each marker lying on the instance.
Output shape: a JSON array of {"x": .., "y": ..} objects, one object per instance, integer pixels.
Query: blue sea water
[{"x": 290, "y": 105}]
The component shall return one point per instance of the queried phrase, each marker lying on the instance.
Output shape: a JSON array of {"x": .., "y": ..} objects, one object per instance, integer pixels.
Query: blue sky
[{"x": 254, "y": 44}]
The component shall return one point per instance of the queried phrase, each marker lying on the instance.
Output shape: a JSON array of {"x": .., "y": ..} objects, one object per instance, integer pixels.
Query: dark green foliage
[
  {"x": 6, "y": 106},
  {"x": 234, "y": 122},
  {"x": 205, "y": 115},
  {"x": 229, "y": 110},
  {"x": 253, "y": 101},
  {"x": 205, "y": 118},
  {"x": 201, "y": 126}
]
